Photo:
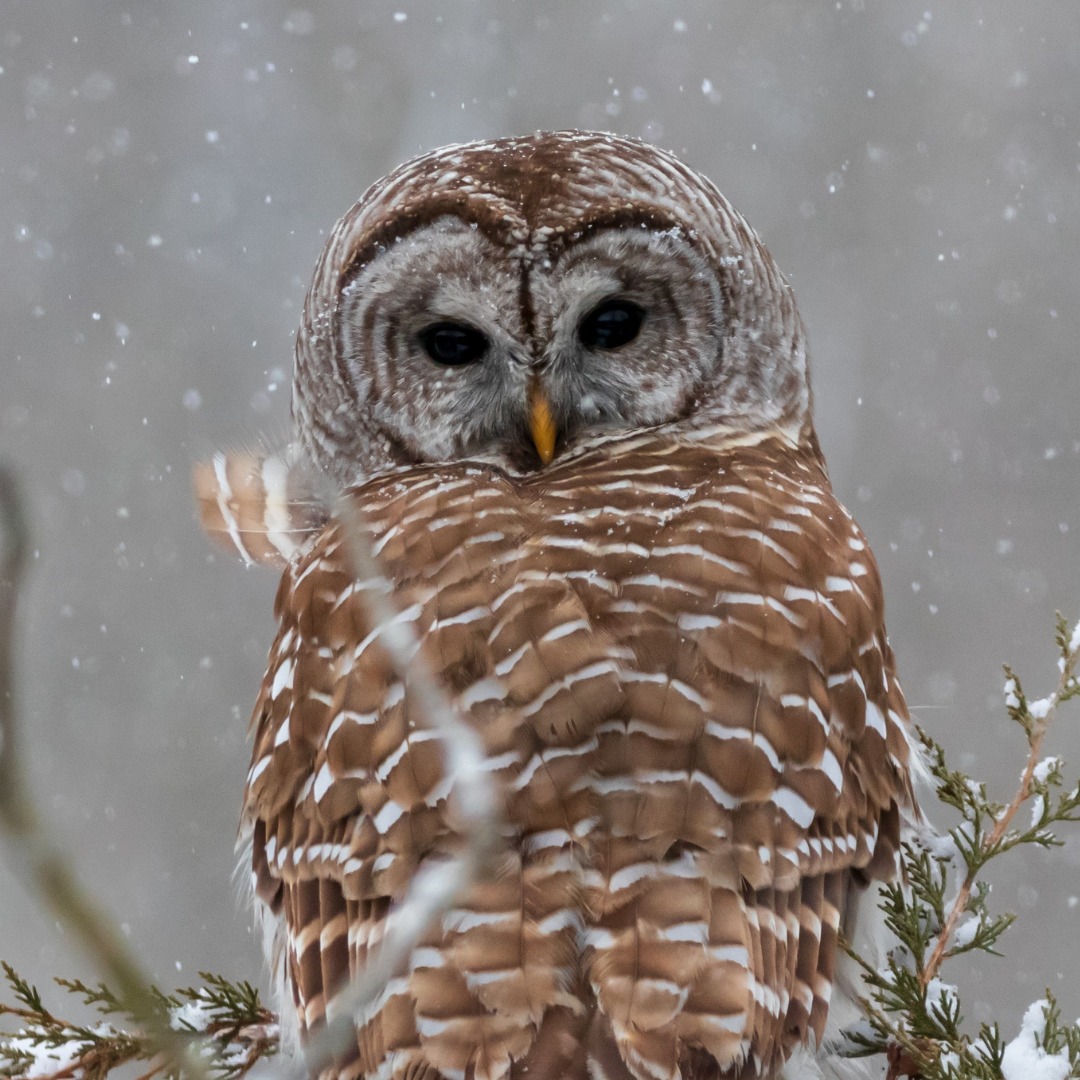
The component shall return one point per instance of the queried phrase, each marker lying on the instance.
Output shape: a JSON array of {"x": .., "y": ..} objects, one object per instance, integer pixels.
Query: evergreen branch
[
  {"x": 221, "y": 1024},
  {"x": 911, "y": 1015},
  {"x": 1035, "y": 718}
]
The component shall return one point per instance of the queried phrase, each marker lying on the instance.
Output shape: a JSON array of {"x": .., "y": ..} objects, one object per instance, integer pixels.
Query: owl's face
[
  {"x": 459, "y": 347},
  {"x": 506, "y": 300}
]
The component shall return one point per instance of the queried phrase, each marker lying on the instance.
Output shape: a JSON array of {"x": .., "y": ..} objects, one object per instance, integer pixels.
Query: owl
[{"x": 565, "y": 385}]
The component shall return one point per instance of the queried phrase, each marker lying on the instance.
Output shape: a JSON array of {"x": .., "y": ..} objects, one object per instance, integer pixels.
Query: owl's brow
[
  {"x": 503, "y": 229},
  {"x": 496, "y": 227},
  {"x": 614, "y": 219}
]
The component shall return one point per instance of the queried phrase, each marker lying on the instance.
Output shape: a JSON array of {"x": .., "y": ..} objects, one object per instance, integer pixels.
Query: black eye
[
  {"x": 611, "y": 324},
  {"x": 453, "y": 343}
]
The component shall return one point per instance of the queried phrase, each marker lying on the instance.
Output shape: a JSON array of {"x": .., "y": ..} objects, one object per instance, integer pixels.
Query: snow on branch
[{"x": 226, "y": 1021}]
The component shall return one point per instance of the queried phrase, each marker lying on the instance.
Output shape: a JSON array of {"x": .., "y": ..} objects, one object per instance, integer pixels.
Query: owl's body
[{"x": 623, "y": 561}]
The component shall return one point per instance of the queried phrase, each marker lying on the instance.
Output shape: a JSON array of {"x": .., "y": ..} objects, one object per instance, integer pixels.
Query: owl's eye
[
  {"x": 453, "y": 343},
  {"x": 611, "y": 324}
]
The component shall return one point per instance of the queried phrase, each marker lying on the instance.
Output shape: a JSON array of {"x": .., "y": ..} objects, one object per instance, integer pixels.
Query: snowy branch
[
  {"x": 913, "y": 1016},
  {"x": 226, "y": 1023}
]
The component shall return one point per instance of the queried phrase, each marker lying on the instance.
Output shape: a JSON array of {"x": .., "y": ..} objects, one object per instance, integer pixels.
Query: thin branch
[
  {"x": 438, "y": 885},
  {"x": 1037, "y": 727},
  {"x": 39, "y": 860}
]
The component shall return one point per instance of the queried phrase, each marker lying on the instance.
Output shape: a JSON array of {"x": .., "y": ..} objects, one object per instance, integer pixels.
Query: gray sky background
[{"x": 167, "y": 173}]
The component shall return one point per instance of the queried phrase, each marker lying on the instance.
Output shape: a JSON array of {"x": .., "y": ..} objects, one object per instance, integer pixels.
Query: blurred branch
[
  {"x": 39, "y": 861},
  {"x": 15, "y": 811},
  {"x": 438, "y": 885}
]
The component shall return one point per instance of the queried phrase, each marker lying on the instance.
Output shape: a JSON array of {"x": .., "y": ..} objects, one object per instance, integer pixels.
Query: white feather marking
[
  {"x": 429, "y": 1027},
  {"x": 566, "y": 919},
  {"x": 590, "y": 671},
  {"x": 484, "y": 690},
  {"x": 696, "y": 932},
  {"x": 323, "y": 779},
  {"x": 386, "y": 766},
  {"x": 630, "y": 875},
  {"x": 461, "y": 921},
  {"x": 655, "y": 581},
  {"x": 549, "y": 838},
  {"x": 426, "y": 957},
  {"x": 875, "y": 720},
  {"x": 386, "y": 817},
  {"x": 689, "y": 693},
  {"x": 528, "y": 771},
  {"x": 698, "y": 622},
  {"x": 597, "y": 937},
  {"x": 698, "y": 552},
  {"x": 258, "y": 769},
  {"x": 721, "y": 731},
  {"x": 465, "y": 617},
  {"x": 606, "y": 785},
  {"x": 795, "y": 806},
  {"x": 830, "y": 766},
  {"x": 719, "y": 795},
  {"x": 283, "y": 677},
  {"x": 795, "y": 592},
  {"x": 508, "y": 663},
  {"x": 485, "y": 978},
  {"x": 224, "y": 494},
  {"x": 275, "y": 480},
  {"x": 565, "y": 629}
]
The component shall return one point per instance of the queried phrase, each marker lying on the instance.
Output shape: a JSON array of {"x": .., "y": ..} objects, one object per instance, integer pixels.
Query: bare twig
[
  {"x": 439, "y": 885},
  {"x": 39, "y": 861}
]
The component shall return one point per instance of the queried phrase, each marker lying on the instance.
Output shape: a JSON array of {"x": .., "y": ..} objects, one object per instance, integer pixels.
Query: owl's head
[{"x": 509, "y": 300}]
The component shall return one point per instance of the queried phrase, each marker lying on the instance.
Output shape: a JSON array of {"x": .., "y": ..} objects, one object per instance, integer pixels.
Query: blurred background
[{"x": 167, "y": 175}]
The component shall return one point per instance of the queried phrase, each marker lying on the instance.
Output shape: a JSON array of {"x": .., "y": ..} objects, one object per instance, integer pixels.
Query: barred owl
[{"x": 567, "y": 386}]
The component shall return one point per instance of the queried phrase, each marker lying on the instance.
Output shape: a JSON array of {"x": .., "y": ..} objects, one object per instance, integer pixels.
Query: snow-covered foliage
[{"x": 939, "y": 909}]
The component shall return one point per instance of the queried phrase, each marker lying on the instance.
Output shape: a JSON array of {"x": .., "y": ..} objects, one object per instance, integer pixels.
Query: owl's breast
[{"x": 676, "y": 662}]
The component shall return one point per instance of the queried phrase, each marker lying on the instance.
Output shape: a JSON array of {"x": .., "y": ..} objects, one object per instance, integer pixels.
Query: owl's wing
[{"x": 260, "y": 505}]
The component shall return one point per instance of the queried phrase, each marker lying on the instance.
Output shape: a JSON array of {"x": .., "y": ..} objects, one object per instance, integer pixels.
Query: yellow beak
[{"x": 541, "y": 422}]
